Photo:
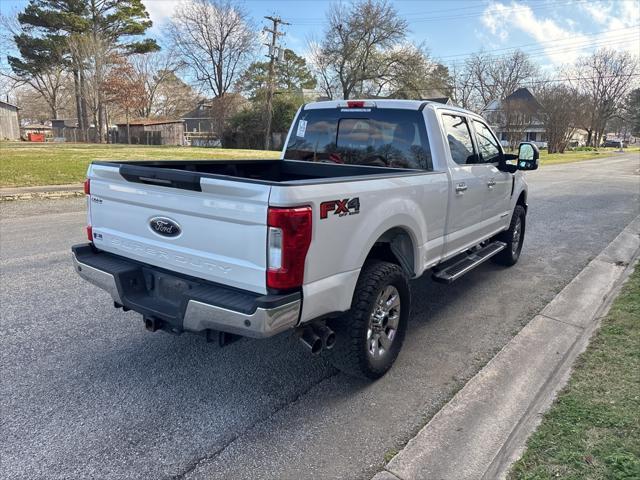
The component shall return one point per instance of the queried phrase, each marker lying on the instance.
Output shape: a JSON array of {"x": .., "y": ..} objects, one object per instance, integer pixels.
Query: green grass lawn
[
  {"x": 593, "y": 429},
  {"x": 569, "y": 156},
  {"x": 30, "y": 164}
]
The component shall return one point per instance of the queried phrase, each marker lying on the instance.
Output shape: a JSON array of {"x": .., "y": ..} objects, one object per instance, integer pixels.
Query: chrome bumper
[
  {"x": 99, "y": 278},
  {"x": 199, "y": 316},
  {"x": 260, "y": 324}
]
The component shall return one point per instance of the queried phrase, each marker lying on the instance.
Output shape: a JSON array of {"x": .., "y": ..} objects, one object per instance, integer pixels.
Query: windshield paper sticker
[{"x": 302, "y": 128}]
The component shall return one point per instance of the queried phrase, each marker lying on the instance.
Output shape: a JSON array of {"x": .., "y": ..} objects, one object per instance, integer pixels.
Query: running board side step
[{"x": 470, "y": 261}]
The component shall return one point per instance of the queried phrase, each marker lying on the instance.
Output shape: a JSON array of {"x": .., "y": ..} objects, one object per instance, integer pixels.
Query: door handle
[
  {"x": 461, "y": 187},
  {"x": 491, "y": 183}
]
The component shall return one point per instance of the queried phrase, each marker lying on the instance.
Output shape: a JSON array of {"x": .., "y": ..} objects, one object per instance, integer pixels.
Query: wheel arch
[
  {"x": 396, "y": 245},
  {"x": 522, "y": 200}
]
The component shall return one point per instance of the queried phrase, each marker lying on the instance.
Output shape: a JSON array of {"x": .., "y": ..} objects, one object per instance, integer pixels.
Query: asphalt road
[{"x": 86, "y": 392}]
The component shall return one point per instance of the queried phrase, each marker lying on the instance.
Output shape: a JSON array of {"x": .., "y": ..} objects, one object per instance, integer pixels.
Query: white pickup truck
[{"x": 322, "y": 243}]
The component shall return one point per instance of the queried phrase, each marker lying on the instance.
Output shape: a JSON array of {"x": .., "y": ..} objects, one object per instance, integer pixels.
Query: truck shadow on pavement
[{"x": 160, "y": 366}]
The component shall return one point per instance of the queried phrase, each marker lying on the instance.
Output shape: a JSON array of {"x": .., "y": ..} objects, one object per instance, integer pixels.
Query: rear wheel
[
  {"x": 370, "y": 336},
  {"x": 513, "y": 237}
]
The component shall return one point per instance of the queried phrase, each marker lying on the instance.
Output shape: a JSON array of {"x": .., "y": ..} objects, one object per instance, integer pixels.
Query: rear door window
[
  {"x": 459, "y": 139},
  {"x": 382, "y": 137}
]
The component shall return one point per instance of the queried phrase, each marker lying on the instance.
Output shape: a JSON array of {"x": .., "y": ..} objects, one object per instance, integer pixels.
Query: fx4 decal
[{"x": 347, "y": 206}]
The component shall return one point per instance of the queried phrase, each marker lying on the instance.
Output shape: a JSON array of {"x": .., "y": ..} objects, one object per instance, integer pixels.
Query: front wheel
[
  {"x": 513, "y": 237},
  {"x": 370, "y": 336}
]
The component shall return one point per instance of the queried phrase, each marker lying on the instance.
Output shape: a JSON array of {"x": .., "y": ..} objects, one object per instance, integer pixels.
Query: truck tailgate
[{"x": 221, "y": 233}]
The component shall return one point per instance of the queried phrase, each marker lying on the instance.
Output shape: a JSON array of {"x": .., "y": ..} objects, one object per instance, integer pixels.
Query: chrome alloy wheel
[
  {"x": 383, "y": 322},
  {"x": 517, "y": 233}
]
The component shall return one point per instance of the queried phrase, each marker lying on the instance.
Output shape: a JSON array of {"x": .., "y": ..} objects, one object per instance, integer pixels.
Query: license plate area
[{"x": 165, "y": 287}]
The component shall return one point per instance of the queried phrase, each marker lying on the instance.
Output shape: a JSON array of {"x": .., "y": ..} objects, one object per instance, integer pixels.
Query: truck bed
[{"x": 187, "y": 174}]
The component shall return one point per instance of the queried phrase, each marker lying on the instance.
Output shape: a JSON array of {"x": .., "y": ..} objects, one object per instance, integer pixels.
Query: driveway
[{"x": 86, "y": 392}]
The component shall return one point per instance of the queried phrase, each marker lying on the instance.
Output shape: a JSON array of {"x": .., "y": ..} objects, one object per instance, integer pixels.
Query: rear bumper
[{"x": 183, "y": 303}]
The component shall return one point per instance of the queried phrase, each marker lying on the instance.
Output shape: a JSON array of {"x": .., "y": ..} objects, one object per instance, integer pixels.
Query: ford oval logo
[{"x": 165, "y": 226}]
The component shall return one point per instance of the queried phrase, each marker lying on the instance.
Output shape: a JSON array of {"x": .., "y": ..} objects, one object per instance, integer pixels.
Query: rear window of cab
[{"x": 384, "y": 137}]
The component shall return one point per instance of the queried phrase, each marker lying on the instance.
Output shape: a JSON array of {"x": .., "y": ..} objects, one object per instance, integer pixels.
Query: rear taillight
[
  {"x": 289, "y": 236},
  {"x": 87, "y": 191}
]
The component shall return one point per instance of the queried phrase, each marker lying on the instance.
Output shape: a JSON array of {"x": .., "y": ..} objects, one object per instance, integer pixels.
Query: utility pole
[{"x": 275, "y": 53}]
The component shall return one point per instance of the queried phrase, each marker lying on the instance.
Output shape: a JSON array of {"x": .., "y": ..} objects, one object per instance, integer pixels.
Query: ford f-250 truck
[{"x": 367, "y": 195}]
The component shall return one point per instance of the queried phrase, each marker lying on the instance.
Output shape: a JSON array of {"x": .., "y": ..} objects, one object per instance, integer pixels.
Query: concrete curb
[
  {"x": 482, "y": 430},
  {"x": 45, "y": 191}
]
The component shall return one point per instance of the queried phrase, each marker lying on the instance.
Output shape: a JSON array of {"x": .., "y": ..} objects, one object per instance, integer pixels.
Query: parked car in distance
[
  {"x": 322, "y": 243},
  {"x": 613, "y": 144}
]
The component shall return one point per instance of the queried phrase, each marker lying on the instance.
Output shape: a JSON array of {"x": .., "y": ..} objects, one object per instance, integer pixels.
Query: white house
[{"x": 514, "y": 119}]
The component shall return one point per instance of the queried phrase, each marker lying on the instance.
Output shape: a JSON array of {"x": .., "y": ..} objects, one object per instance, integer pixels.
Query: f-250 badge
[{"x": 347, "y": 206}]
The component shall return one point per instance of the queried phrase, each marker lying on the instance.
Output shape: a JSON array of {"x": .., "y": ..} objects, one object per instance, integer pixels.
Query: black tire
[
  {"x": 513, "y": 237},
  {"x": 354, "y": 353}
]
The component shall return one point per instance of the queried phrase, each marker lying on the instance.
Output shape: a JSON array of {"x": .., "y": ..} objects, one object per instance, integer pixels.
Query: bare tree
[
  {"x": 123, "y": 89},
  {"x": 215, "y": 38},
  {"x": 49, "y": 80},
  {"x": 463, "y": 87},
  {"x": 93, "y": 54},
  {"x": 410, "y": 73},
  {"x": 321, "y": 66},
  {"x": 604, "y": 78},
  {"x": 484, "y": 77},
  {"x": 509, "y": 72},
  {"x": 173, "y": 98},
  {"x": 559, "y": 114},
  {"x": 357, "y": 46},
  {"x": 35, "y": 109},
  {"x": 156, "y": 71}
]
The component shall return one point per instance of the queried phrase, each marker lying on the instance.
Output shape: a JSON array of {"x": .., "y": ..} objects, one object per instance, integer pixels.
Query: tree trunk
[
  {"x": 128, "y": 130},
  {"x": 78, "y": 95},
  {"x": 106, "y": 122},
  {"x": 85, "y": 114},
  {"x": 100, "y": 120}
]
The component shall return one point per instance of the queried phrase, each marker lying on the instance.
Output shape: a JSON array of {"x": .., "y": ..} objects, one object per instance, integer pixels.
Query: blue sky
[{"x": 553, "y": 32}]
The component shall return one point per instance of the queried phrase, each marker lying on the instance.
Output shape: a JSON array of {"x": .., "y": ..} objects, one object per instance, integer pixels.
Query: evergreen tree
[
  {"x": 292, "y": 73},
  {"x": 48, "y": 25}
]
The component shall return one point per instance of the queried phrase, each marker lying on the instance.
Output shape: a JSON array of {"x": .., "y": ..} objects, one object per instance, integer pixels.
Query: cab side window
[
  {"x": 487, "y": 144},
  {"x": 459, "y": 138}
]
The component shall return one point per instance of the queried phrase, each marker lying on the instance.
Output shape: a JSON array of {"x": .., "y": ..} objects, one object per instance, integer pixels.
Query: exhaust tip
[
  {"x": 316, "y": 347},
  {"x": 330, "y": 341},
  {"x": 312, "y": 341},
  {"x": 327, "y": 335}
]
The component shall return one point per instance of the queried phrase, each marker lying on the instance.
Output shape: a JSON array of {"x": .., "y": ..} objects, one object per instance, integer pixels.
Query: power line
[
  {"x": 415, "y": 17},
  {"x": 546, "y": 81},
  {"x": 546, "y": 51},
  {"x": 525, "y": 82},
  {"x": 517, "y": 47}
]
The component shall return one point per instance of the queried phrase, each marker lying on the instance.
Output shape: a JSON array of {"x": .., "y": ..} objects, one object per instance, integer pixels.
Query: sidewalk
[
  {"x": 483, "y": 429},
  {"x": 44, "y": 191}
]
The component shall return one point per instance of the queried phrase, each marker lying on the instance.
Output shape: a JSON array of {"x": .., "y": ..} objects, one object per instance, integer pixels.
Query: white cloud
[
  {"x": 562, "y": 44},
  {"x": 160, "y": 10},
  {"x": 598, "y": 11}
]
